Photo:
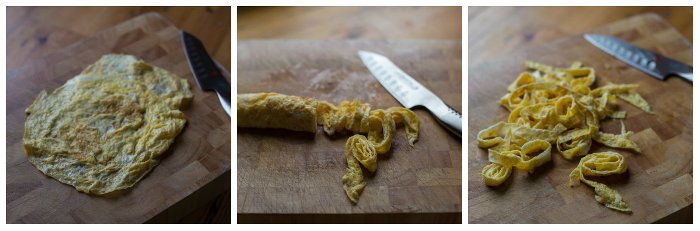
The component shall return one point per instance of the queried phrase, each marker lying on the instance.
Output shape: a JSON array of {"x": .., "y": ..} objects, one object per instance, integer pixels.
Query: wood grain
[
  {"x": 199, "y": 157},
  {"x": 498, "y": 31},
  {"x": 350, "y": 22},
  {"x": 284, "y": 175},
  {"x": 659, "y": 180},
  {"x": 33, "y": 32}
]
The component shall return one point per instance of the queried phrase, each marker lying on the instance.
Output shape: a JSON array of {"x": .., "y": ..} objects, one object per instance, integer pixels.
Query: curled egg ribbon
[
  {"x": 555, "y": 106},
  {"x": 380, "y": 127}
]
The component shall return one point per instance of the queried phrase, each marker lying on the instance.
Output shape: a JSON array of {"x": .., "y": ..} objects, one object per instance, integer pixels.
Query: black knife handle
[{"x": 209, "y": 76}]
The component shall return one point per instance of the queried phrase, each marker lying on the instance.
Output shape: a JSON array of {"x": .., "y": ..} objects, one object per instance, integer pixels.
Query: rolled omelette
[{"x": 272, "y": 110}]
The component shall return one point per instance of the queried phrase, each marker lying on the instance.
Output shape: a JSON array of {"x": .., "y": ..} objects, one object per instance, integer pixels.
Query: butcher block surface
[
  {"x": 199, "y": 156},
  {"x": 285, "y": 172},
  {"x": 659, "y": 180}
]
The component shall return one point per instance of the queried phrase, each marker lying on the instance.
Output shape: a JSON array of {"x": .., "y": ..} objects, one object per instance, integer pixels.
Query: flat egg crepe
[{"x": 106, "y": 128}]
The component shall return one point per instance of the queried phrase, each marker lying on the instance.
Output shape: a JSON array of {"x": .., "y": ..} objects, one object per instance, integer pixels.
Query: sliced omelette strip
[
  {"x": 358, "y": 150},
  {"x": 558, "y": 106},
  {"x": 602, "y": 164},
  {"x": 103, "y": 131}
]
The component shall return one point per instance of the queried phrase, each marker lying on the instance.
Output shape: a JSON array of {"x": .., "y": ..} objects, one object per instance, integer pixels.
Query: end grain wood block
[
  {"x": 200, "y": 154},
  {"x": 293, "y": 173},
  {"x": 659, "y": 180}
]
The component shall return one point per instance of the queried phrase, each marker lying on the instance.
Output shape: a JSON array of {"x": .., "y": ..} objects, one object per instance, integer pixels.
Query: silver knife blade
[
  {"x": 207, "y": 73},
  {"x": 409, "y": 92},
  {"x": 656, "y": 65}
]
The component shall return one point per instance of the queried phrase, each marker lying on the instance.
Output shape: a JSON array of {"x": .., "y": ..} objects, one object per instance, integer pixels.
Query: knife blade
[
  {"x": 409, "y": 92},
  {"x": 207, "y": 73},
  {"x": 656, "y": 65}
]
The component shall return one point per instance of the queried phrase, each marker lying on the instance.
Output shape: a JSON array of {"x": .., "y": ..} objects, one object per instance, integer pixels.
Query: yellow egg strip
[
  {"x": 355, "y": 117},
  {"x": 380, "y": 127},
  {"x": 502, "y": 136},
  {"x": 575, "y": 142},
  {"x": 402, "y": 115},
  {"x": 353, "y": 182},
  {"x": 601, "y": 164},
  {"x": 636, "y": 100},
  {"x": 555, "y": 106},
  {"x": 495, "y": 174},
  {"x": 381, "y": 130},
  {"x": 617, "y": 141},
  {"x": 531, "y": 155},
  {"x": 363, "y": 151}
]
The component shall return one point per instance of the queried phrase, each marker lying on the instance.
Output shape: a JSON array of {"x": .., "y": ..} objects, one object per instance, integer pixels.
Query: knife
[
  {"x": 656, "y": 65},
  {"x": 207, "y": 73},
  {"x": 409, "y": 92}
]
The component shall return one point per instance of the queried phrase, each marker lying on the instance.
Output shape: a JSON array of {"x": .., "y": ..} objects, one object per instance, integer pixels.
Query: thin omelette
[{"x": 106, "y": 128}]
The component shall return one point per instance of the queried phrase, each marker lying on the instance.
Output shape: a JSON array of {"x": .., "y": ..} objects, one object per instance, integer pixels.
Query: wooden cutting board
[
  {"x": 659, "y": 181},
  {"x": 294, "y": 173},
  {"x": 195, "y": 169}
]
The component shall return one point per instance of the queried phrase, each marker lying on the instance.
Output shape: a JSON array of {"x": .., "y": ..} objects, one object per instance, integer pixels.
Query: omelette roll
[{"x": 272, "y": 110}]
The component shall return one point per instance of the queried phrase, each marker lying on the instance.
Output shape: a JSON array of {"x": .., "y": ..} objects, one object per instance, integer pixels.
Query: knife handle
[
  {"x": 448, "y": 117},
  {"x": 674, "y": 67}
]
